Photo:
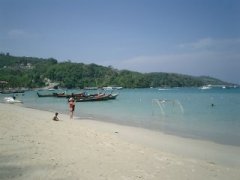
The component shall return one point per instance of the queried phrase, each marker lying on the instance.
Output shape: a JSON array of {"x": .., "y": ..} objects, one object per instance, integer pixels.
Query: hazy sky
[{"x": 195, "y": 37}]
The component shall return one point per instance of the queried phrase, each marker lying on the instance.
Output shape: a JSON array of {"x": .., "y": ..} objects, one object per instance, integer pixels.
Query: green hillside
[{"x": 33, "y": 72}]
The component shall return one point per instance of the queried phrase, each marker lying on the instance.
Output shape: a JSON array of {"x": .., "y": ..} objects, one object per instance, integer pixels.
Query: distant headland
[{"x": 33, "y": 72}]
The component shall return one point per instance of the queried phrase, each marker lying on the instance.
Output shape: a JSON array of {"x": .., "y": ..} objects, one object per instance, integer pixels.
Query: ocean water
[{"x": 212, "y": 114}]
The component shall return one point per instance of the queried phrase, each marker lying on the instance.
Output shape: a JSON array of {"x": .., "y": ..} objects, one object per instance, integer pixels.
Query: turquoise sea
[{"x": 210, "y": 114}]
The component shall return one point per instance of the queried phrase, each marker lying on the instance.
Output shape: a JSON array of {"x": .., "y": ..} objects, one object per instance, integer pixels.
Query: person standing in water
[{"x": 71, "y": 103}]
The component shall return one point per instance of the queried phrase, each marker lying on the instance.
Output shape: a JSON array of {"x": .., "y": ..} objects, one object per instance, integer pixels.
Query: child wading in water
[{"x": 71, "y": 106}]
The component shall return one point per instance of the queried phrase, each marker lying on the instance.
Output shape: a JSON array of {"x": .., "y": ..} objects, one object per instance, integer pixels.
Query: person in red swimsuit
[{"x": 71, "y": 103}]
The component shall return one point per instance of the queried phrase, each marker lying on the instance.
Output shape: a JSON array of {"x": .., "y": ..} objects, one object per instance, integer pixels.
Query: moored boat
[
  {"x": 110, "y": 88},
  {"x": 46, "y": 95},
  {"x": 98, "y": 97},
  {"x": 61, "y": 95},
  {"x": 205, "y": 87},
  {"x": 11, "y": 100},
  {"x": 12, "y": 91},
  {"x": 113, "y": 96}
]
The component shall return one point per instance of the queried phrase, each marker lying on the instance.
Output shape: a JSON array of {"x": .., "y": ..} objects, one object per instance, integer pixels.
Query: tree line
[{"x": 32, "y": 72}]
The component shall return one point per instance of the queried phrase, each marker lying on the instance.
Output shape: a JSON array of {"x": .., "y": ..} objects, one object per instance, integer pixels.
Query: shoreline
[
  {"x": 169, "y": 132},
  {"x": 35, "y": 146},
  {"x": 200, "y": 122},
  {"x": 134, "y": 124}
]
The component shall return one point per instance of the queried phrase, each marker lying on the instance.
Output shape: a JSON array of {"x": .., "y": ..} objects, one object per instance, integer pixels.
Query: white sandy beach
[{"x": 33, "y": 146}]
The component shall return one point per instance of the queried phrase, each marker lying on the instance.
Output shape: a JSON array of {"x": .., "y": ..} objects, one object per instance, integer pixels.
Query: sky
[{"x": 194, "y": 37}]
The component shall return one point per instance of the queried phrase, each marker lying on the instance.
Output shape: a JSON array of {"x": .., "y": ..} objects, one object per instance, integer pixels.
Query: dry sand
[{"x": 33, "y": 146}]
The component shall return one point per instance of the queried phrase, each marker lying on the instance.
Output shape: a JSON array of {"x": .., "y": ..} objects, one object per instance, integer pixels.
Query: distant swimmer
[{"x": 212, "y": 105}]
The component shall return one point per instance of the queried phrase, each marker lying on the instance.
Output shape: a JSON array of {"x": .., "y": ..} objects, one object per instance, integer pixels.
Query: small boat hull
[
  {"x": 100, "y": 97},
  {"x": 11, "y": 100}
]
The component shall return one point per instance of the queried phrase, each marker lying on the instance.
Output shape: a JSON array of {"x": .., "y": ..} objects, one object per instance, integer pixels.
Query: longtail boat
[
  {"x": 99, "y": 97},
  {"x": 46, "y": 95}
]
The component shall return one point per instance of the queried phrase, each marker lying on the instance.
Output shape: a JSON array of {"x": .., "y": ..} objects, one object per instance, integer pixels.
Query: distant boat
[
  {"x": 205, "y": 87},
  {"x": 112, "y": 96},
  {"x": 118, "y": 87},
  {"x": 12, "y": 91},
  {"x": 99, "y": 97},
  {"x": 11, "y": 100},
  {"x": 46, "y": 95},
  {"x": 163, "y": 89},
  {"x": 110, "y": 88},
  {"x": 90, "y": 88},
  {"x": 60, "y": 95}
]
